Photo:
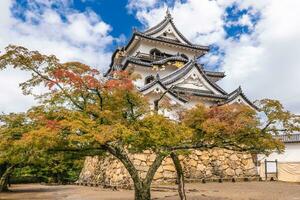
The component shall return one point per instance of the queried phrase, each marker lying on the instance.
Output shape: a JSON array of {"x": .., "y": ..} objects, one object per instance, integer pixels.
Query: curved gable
[
  {"x": 191, "y": 75},
  {"x": 157, "y": 87},
  {"x": 237, "y": 96}
]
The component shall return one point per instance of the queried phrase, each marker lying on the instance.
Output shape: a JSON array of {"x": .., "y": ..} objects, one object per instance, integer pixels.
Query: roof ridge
[
  {"x": 209, "y": 81},
  {"x": 214, "y": 73},
  {"x": 171, "y": 41},
  {"x": 174, "y": 73},
  {"x": 165, "y": 20},
  {"x": 174, "y": 57},
  {"x": 235, "y": 93},
  {"x": 158, "y": 27},
  {"x": 200, "y": 93}
]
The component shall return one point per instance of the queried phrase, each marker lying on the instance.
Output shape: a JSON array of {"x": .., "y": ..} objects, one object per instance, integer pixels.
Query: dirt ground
[{"x": 195, "y": 191}]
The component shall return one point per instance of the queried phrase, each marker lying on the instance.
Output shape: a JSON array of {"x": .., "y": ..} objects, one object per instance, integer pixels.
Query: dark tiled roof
[
  {"x": 135, "y": 60},
  {"x": 163, "y": 24},
  {"x": 178, "y": 74},
  {"x": 158, "y": 26},
  {"x": 198, "y": 47},
  {"x": 179, "y": 71},
  {"x": 234, "y": 94},
  {"x": 214, "y": 74},
  {"x": 292, "y": 138},
  {"x": 200, "y": 93},
  {"x": 131, "y": 59},
  {"x": 171, "y": 58}
]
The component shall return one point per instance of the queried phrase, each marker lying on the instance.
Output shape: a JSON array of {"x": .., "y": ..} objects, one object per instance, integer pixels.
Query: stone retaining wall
[{"x": 211, "y": 164}]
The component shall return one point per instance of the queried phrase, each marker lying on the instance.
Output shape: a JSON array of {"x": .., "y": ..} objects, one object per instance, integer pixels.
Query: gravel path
[{"x": 195, "y": 191}]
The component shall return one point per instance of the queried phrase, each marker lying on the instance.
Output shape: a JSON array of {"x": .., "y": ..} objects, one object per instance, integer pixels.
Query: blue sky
[
  {"x": 113, "y": 12},
  {"x": 122, "y": 19},
  {"x": 256, "y": 43}
]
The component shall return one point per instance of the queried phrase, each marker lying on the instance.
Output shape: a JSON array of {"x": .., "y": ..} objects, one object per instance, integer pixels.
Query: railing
[
  {"x": 149, "y": 57},
  {"x": 290, "y": 138}
]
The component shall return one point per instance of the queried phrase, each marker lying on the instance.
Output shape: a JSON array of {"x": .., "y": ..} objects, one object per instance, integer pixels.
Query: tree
[
  {"x": 10, "y": 132},
  {"x": 21, "y": 145},
  {"x": 14, "y": 151},
  {"x": 81, "y": 111},
  {"x": 236, "y": 127}
]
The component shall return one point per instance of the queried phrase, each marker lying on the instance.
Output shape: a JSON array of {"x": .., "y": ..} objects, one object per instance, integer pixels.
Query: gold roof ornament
[
  {"x": 178, "y": 64},
  {"x": 155, "y": 67}
]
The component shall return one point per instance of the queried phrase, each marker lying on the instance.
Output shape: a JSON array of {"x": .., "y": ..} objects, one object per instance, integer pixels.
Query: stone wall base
[{"x": 214, "y": 164}]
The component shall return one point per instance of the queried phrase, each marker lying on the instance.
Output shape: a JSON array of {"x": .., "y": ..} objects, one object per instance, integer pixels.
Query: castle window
[
  {"x": 149, "y": 79},
  {"x": 155, "y": 52}
]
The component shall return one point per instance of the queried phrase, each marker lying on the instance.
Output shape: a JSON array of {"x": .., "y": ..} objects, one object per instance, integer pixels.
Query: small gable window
[
  {"x": 155, "y": 52},
  {"x": 149, "y": 79}
]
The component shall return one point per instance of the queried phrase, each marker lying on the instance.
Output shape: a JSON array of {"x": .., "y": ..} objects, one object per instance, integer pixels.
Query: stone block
[
  {"x": 200, "y": 167},
  {"x": 193, "y": 157},
  {"x": 198, "y": 153},
  {"x": 204, "y": 156},
  {"x": 221, "y": 158},
  {"x": 238, "y": 172},
  {"x": 193, "y": 163},
  {"x": 169, "y": 168},
  {"x": 141, "y": 157},
  {"x": 168, "y": 161},
  {"x": 158, "y": 175},
  {"x": 234, "y": 157},
  {"x": 152, "y": 157},
  {"x": 208, "y": 173},
  {"x": 230, "y": 172},
  {"x": 250, "y": 165},
  {"x": 168, "y": 174},
  {"x": 136, "y": 162},
  {"x": 215, "y": 153}
]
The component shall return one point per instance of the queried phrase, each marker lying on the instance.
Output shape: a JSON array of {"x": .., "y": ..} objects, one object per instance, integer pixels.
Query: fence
[{"x": 282, "y": 171}]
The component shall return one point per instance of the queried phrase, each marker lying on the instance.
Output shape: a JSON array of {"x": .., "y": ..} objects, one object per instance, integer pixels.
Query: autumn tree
[
  {"x": 10, "y": 134},
  {"x": 235, "y": 127},
  {"x": 81, "y": 111},
  {"x": 25, "y": 142},
  {"x": 16, "y": 149}
]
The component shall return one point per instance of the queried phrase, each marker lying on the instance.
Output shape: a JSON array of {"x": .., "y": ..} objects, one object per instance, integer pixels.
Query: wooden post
[
  {"x": 276, "y": 169},
  {"x": 266, "y": 172}
]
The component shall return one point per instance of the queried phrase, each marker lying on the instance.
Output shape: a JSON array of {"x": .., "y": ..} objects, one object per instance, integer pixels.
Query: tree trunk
[
  {"x": 4, "y": 179},
  {"x": 142, "y": 187},
  {"x": 142, "y": 193},
  {"x": 180, "y": 176}
]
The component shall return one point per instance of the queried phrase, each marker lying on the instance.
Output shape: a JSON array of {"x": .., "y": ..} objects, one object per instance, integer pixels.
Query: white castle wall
[{"x": 146, "y": 47}]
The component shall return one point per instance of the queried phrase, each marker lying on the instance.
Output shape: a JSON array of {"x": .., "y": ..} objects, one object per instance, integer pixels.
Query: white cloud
[
  {"x": 201, "y": 20},
  {"x": 266, "y": 63},
  {"x": 69, "y": 34},
  {"x": 141, "y": 4}
]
